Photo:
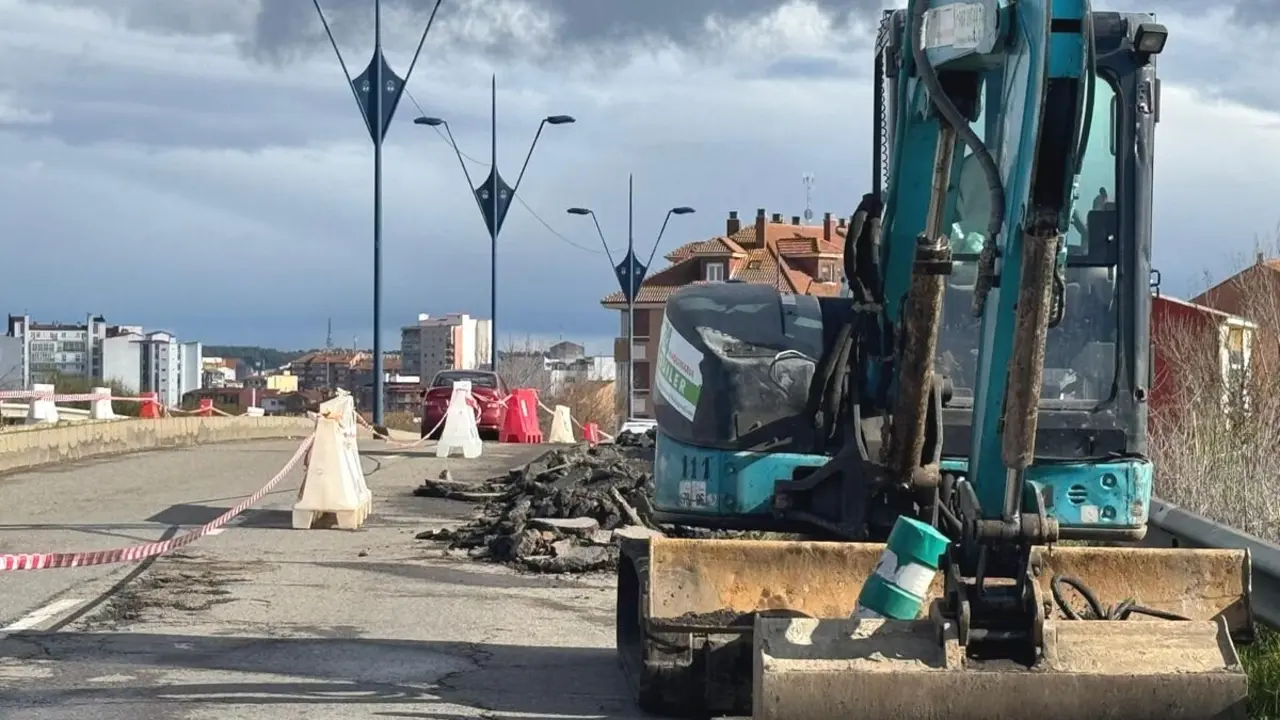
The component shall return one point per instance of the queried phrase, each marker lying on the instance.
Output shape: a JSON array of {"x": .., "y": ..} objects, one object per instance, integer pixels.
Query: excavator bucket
[
  {"x": 809, "y": 669},
  {"x": 787, "y": 606}
]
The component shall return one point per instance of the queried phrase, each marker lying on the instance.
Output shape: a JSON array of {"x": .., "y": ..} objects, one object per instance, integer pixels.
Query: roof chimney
[
  {"x": 1261, "y": 258},
  {"x": 777, "y": 218},
  {"x": 841, "y": 223},
  {"x": 826, "y": 226},
  {"x": 760, "y": 220},
  {"x": 733, "y": 225}
]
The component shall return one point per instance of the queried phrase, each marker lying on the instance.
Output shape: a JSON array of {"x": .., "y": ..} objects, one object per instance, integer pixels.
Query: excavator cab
[{"x": 1096, "y": 355}]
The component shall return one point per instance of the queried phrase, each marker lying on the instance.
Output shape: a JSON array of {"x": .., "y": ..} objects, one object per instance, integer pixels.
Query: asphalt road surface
[{"x": 263, "y": 621}]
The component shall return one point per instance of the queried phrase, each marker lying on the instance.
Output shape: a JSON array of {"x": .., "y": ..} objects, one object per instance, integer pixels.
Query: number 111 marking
[{"x": 690, "y": 468}]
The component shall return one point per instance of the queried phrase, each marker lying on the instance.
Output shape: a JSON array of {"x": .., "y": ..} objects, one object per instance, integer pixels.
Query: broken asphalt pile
[{"x": 561, "y": 512}]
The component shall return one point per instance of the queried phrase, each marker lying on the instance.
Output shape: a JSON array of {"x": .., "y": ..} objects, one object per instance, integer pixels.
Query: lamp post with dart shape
[
  {"x": 377, "y": 93},
  {"x": 631, "y": 273},
  {"x": 493, "y": 197}
]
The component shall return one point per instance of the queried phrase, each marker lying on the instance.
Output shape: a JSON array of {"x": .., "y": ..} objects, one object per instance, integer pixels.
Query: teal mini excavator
[{"x": 984, "y": 379}]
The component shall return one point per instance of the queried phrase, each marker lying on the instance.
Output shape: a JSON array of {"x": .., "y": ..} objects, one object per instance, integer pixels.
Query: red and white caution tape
[
  {"x": 396, "y": 443},
  {"x": 574, "y": 420},
  {"x": 471, "y": 401},
  {"x": 49, "y": 561}
]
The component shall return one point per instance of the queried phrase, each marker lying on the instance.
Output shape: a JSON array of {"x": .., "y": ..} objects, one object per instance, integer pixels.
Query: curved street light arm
[
  {"x": 528, "y": 156},
  {"x": 471, "y": 186},
  {"x": 421, "y": 41},
  {"x": 343, "y": 63},
  {"x": 600, "y": 233},
  {"x": 654, "y": 250}
]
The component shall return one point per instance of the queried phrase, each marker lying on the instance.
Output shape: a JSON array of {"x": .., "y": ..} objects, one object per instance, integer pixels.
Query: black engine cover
[{"x": 735, "y": 362}]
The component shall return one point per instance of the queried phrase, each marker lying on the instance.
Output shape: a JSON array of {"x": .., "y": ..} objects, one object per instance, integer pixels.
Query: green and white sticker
[{"x": 679, "y": 375}]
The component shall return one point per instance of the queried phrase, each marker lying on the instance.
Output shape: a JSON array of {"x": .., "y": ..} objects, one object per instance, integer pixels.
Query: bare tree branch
[
  {"x": 1216, "y": 440},
  {"x": 524, "y": 365}
]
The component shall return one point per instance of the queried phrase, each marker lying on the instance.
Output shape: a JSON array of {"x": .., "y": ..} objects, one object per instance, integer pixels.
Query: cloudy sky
[{"x": 198, "y": 165}]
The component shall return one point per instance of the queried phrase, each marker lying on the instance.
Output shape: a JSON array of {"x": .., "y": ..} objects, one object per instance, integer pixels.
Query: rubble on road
[
  {"x": 645, "y": 439},
  {"x": 563, "y": 512},
  {"x": 557, "y": 514}
]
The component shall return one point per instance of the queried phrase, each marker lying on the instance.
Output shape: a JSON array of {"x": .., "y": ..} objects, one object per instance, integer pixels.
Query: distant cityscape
[
  {"x": 133, "y": 360},
  {"x": 794, "y": 257}
]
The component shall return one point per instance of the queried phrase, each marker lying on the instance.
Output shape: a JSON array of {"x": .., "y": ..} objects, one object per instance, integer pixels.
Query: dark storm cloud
[
  {"x": 281, "y": 30},
  {"x": 588, "y": 24}
]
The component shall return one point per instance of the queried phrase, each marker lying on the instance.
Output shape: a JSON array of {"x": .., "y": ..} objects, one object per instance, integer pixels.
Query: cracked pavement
[{"x": 262, "y": 621}]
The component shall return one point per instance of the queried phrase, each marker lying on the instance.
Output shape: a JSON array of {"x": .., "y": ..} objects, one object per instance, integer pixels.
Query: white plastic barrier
[
  {"x": 100, "y": 406},
  {"x": 561, "y": 426},
  {"x": 460, "y": 431},
  {"x": 334, "y": 484},
  {"x": 42, "y": 408}
]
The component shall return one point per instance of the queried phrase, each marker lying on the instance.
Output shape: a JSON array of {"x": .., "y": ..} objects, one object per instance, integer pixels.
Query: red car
[{"x": 487, "y": 388}]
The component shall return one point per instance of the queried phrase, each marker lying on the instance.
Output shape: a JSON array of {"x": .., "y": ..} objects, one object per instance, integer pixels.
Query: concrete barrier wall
[{"x": 25, "y": 448}]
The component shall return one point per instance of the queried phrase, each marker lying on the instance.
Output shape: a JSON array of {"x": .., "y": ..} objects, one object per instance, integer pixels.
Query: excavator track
[{"x": 674, "y": 672}]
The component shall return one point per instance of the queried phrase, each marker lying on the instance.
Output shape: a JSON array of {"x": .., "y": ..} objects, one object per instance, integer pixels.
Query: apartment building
[
  {"x": 239, "y": 399},
  {"x": 49, "y": 350},
  {"x": 329, "y": 369},
  {"x": 122, "y": 358},
  {"x": 276, "y": 382},
  {"x": 139, "y": 362},
  {"x": 170, "y": 368},
  {"x": 566, "y": 351},
  {"x": 217, "y": 373},
  {"x": 393, "y": 378},
  {"x": 11, "y": 363},
  {"x": 455, "y": 341},
  {"x": 794, "y": 258},
  {"x": 585, "y": 368},
  {"x": 153, "y": 362}
]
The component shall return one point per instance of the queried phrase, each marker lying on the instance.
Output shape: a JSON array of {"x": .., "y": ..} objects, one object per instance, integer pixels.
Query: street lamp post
[
  {"x": 377, "y": 91},
  {"x": 631, "y": 273},
  {"x": 494, "y": 196}
]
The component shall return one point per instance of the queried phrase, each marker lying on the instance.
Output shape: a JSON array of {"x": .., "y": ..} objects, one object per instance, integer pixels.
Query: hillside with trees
[{"x": 260, "y": 358}]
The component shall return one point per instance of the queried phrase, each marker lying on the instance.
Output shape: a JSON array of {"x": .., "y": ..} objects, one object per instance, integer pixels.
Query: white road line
[{"x": 35, "y": 618}]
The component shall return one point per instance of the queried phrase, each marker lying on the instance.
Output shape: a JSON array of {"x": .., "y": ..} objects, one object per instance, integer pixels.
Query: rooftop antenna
[
  {"x": 808, "y": 179},
  {"x": 328, "y": 338}
]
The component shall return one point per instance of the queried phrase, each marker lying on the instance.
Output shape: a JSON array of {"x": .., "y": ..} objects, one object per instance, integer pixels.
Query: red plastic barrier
[
  {"x": 591, "y": 433},
  {"x": 150, "y": 407},
  {"x": 520, "y": 423},
  {"x": 206, "y": 407}
]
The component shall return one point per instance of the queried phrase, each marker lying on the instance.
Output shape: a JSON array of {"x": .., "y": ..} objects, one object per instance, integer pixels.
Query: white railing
[{"x": 20, "y": 410}]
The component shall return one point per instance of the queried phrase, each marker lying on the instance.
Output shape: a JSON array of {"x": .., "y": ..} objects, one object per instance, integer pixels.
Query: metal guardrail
[{"x": 1172, "y": 526}]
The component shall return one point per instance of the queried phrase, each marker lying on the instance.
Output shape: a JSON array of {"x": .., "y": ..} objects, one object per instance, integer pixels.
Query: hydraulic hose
[
  {"x": 1090, "y": 85},
  {"x": 949, "y": 113},
  {"x": 1121, "y": 611}
]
